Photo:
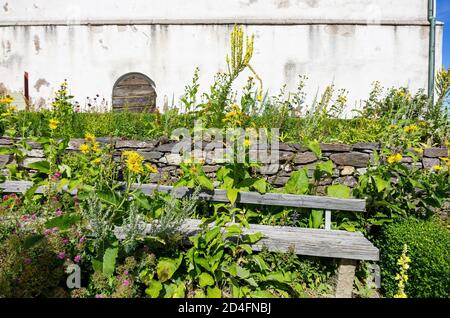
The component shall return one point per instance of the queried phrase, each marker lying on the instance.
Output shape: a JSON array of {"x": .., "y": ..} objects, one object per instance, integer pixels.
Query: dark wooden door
[{"x": 134, "y": 92}]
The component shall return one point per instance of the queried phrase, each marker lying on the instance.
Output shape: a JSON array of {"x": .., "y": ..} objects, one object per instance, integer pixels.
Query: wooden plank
[
  {"x": 328, "y": 220},
  {"x": 269, "y": 199},
  {"x": 309, "y": 242}
]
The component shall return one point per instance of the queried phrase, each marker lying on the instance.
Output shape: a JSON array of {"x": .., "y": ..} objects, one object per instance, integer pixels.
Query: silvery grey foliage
[
  {"x": 99, "y": 219},
  {"x": 133, "y": 229},
  {"x": 168, "y": 226}
]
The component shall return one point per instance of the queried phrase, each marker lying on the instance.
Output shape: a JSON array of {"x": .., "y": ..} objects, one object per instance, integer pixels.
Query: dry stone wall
[{"x": 349, "y": 160}]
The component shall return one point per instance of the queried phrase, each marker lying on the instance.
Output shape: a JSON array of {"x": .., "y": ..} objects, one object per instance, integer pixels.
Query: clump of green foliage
[{"x": 429, "y": 251}]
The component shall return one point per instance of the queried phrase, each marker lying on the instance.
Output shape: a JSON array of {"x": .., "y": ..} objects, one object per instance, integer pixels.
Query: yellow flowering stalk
[
  {"x": 84, "y": 148},
  {"x": 410, "y": 129},
  {"x": 97, "y": 161},
  {"x": 133, "y": 161},
  {"x": 53, "y": 124},
  {"x": 392, "y": 126},
  {"x": 402, "y": 277},
  {"x": 394, "y": 158}
]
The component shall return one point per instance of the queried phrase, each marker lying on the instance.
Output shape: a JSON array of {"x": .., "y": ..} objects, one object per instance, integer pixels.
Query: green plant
[{"x": 429, "y": 251}]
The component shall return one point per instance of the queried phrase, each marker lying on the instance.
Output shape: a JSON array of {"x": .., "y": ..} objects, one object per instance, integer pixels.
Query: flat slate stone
[
  {"x": 435, "y": 152},
  {"x": 335, "y": 147},
  {"x": 429, "y": 163},
  {"x": 135, "y": 144},
  {"x": 367, "y": 146},
  {"x": 151, "y": 155},
  {"x": 355, "y": 159},
  {"x": 305, "y": 157}
]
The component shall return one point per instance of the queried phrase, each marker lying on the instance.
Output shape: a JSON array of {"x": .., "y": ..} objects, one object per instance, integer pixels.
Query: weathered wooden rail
[{"x": 350, "y": 247}]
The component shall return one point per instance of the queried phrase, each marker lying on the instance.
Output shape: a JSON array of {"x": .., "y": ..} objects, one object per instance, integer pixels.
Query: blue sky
[{"x": 443, "y": 14}]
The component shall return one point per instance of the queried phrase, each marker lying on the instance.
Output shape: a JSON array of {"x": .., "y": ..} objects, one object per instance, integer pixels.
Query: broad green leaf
[
  {"x": 380, "y": 183},
  {"x": 327, "y": 167},
  {"x": 253, "y": 238},
  {"x": 315, "y": 219},
  {"x": 314, "y": 146},
  {"x": 211, "y": 234},
  {"x": 41, "y": 166},
  {"x": 180, "y": 292},
  {"x": 205, "y": 280},
  {"x": 63, "y": 222},
  {"x": 232, "y": 195},
  {"x": 32, "y": 240},
  {"x": 142, "y": 200},
  {"x": 339, "y": 191},
  {"x": 260, "y": 185},
  {"x": 277, "y": 277},
  {"x": 167, "y": 267},
  {"x": 213, "y": 292},
  {"x": 298, "y": 182},
  {"x": 205, "y": 182},
  {"x": 154, "y": 288},
  {"x": 109, "y": 260},
  {"x": 108, "y": 197}
]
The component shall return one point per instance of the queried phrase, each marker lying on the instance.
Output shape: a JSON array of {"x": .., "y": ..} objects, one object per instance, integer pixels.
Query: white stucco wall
[{"x": 92, "y": 57}]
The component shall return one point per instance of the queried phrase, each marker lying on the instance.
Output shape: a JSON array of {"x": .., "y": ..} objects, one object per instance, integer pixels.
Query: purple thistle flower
[
  {"x": 125, "y": 272},
  {"x": 47, "y": 232},
  {"x": 126, "y": 283},
  {"x": 82, "y": 239},
  {"x": 55, "y": 229},
  {"x": 33, "y": 217},
  {"x": 65, "y": 241},
  {"x": 59, "y": 212},
  {"x": 77, "y": 259},
  {"x": 99, "y": 296},
  {"x": 61, "y": 255}
]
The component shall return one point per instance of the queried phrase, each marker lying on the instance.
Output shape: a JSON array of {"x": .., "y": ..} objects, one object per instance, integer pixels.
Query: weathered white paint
[{"x": 337, "y": 50}]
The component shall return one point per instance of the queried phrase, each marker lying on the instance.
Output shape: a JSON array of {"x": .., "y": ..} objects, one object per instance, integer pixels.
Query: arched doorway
[{"x": 134, "y": 92}]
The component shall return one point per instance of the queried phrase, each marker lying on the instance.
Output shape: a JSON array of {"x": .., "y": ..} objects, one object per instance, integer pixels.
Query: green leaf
[
  {"x": 180, "y": 292},
  {"x": 211, "y": 234},
  {"x": 205, "y": 280},
  {"x": 339, "y": 191},
  {"x": 253, "y": 238},
  {"x": 380, "y": 183},
  {"x": 6, "y": 150},
  {"x": 232, "y": 195},
  {"x": 142, "y": 200},
  {"x": 63, "y": 222},
  {"x": 108, "y": 197},
  {"x": 205, "y": 182},
  {"x": 41, "y": 166},
  {"x": 154, "y": 288},
  {"x": 315, "y": 219},
  {"x": 298, "y": 182},
  {"x": 167, "y": 267},
  {"x": 32, "y": 240},
  {"x": 260, "y": 185},
  {"x": 109, "y": 260},
  {"x": 277, "y": 277},
  {"x": 213, "y": 292},
  {"x": 314, "y": 146},
  {"x": 327, "y": 167}
]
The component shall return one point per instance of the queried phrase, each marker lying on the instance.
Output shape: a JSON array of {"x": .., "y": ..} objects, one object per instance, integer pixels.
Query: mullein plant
[{"x": 402, "y": 276}]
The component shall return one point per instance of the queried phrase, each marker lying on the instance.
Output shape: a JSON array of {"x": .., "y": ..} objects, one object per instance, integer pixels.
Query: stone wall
[{"x": 349, "y": 160}]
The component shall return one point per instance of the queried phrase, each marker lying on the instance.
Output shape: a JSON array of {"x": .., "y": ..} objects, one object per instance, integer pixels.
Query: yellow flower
[
  {"x": 133, "y": 161},
  {"x": 6, "y": 114},
  {"x": 53, "y": 124},
  {"x": 6, "y": 100},
  {"x": 11, "y": 109},
  {"x": 89, "y": 137},
  {"x": 95, "y": 147},
  {"x": 392, "y": 126},
  {"x": 418, "y": 150},
  {"x": 410, "y": 129},
  {"x": 84, "y": 148},
  {"x": 437, "y": 168},
  {"x": 97, "y": 161},
  {"x": 394, "y": 158},
  {"x": 259, "y": 98},
  {"x": 247, "y": 142},
  {"x": 151, "y": 168}
]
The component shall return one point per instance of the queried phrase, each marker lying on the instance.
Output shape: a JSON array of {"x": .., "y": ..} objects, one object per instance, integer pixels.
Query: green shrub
[{"x": 429, "y": 249}]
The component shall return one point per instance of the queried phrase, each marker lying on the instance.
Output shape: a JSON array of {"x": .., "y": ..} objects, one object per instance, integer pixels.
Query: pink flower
[
  {"x": 126, "y": 283},
  {"x": 33, "y": 217},
  {"x": 77, "y": 259},
  {"x": 24, "y": 217},
  {"x": 99, "y": 296},
  {"x": 58, "y": 212},
  {"x": 82, "y": 239},
  {"x": 65, "y": 241},
  {"x": 61, "y": 255},
  {"x": 47, "y": 232},
  {"x": 125, "y": 272},
  {"x": 55, "y": 229}
]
